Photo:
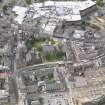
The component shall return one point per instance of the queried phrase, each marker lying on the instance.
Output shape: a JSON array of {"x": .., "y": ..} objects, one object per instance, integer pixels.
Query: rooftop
[
  {"x": 90, "y": 87},
  {"x": 3, "y": 93},
  {"x": 69, "y": 10}
]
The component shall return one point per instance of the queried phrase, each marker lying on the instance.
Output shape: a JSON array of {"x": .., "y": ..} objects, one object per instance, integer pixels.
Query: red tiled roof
[{"x": 4, "y": 75}]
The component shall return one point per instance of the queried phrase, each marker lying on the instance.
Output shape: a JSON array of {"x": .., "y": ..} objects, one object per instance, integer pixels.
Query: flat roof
[
  {"x": 3, "y": 93},
  {"x": 67, "y": 10},
  {"x": 20, "y": 12}
]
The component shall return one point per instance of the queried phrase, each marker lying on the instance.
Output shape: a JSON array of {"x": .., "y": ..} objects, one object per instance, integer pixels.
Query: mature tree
[
  {"x": 28, "y": 1},
  {"x": 99, "y": 2}
]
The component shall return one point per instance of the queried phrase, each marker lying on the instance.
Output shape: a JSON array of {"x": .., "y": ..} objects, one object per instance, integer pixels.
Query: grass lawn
[
  {"x": 51, "y": 81},
  {"x": 34, "y": 43},
  {"x": 48, "y": 57},
  {"x": 38, "y": 42},
  {"x": 51, "y": 57}
]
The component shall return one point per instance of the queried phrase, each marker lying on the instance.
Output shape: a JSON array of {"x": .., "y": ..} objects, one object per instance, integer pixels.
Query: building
[
  {"x": 89, "y": 89},
  {"x": 83, "y": 50},
  {"x": 55, "y": 87},
  {"x": 34, "y": 101},
  {"x": 69, "y": 11},
  {"x": 4, "y": 88},
  {"x": 48, "y": 48},
  {"x": 33, "y": 57},
  {"x": 39, "y": 79},
  {"x": 52, "y": 16}
]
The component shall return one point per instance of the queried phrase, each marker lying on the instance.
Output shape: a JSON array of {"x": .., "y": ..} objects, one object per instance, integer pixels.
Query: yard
[
  {"x": 51, "y": 81},
  {"x": 54, "y": 56},
  {"x": 47, "y": 57}
]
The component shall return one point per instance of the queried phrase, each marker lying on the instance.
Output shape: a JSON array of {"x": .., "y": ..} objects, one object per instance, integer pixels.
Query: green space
[
  {"x": 101, "y": 101},
  {"x": 29, "y": 43},
  {"x": 99, "y": 2},
  {"x": 47, "y": 57},
  {"x": 38, "y": 42},
  {"x": 54, "y": 56},
  {"x": 51, "y": 81},
  {"x": 32, "y": 42},
  {"x": 28, "y": 1}
]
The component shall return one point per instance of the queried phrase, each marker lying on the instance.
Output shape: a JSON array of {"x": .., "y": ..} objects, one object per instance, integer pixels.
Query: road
[
  {"x": 21, "y": 98},
  {"x": 13, "y": 91}
]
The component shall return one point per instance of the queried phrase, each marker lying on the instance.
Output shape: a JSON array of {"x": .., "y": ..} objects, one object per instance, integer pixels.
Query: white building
[
  {"x": 68, "y": 11},
  {"x": 48, "y": 16}
]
